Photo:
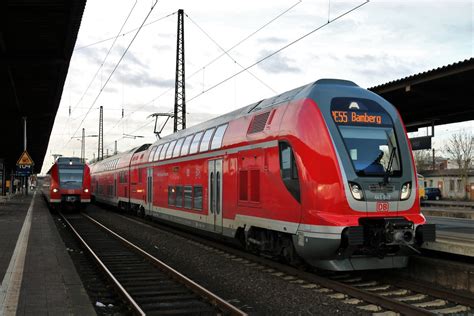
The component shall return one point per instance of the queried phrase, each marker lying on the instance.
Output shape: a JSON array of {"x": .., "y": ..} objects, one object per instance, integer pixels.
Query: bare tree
[
  {"x": 423, "y": 159},
  {"x": 460, "y": 148}
]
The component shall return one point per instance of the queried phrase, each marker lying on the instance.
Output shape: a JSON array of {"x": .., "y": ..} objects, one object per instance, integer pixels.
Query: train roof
[
  {"x": 124, "y": 159},
  {"x": 283, "y": 98}
]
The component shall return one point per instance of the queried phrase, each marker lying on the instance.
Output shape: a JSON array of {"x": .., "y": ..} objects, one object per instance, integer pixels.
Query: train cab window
[
  {"x": 218, "y": 137},
  {"x": 169, "y": 152},
  {"x": 188, "y": 196},
  {"x": 197, "y": 197},
  {"x": 171, "y": 195},
  {"x": 177, "y": 148},
  {"x": 288, "y": 170},
  {"x": 157, "y": 153},
  {"x": 185, "y": 148},
  {"x": 179, "y": 196},
  {"x": 152, "y": 153},
  {"x": 206, "y": 139},
  {"x": 195, "y": 144},
  {"x": 163, "y": 151}
]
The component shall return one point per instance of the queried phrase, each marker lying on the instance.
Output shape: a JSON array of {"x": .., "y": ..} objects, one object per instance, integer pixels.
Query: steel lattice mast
[{"x": 179, "y": 93}]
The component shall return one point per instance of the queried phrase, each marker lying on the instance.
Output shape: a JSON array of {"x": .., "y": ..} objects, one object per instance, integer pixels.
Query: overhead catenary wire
[
  {"x": 125, "y": 33},
  {"x": 226, "y": 52},
  {"x": 262, "y": 59},
  {"x": 278, "y": 50},
  {"x": 106, "y": 56},
  {"x": 115, "y": 68},
  {"x": 214, "y": 59}
]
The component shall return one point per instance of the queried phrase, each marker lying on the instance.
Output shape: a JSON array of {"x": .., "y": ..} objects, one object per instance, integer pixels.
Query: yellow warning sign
[{"x": 25, "y": 160}]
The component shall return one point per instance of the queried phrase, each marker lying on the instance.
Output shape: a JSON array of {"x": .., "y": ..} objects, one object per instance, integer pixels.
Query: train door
[
  {"x": 149, "y": 189},
  {"x": 215, "y": 194}
]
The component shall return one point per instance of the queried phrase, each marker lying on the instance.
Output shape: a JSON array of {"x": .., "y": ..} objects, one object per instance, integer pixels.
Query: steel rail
[
  {"x": 369, "y": 297},
  {"x": 136, "y": 308},
  {"x": 213, "y": 298},
  {"x": 459, "y": 298}
]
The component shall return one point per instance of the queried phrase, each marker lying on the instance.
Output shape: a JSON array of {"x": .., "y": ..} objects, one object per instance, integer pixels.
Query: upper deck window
[
  {"x": 152, "y": 153},
  {"x": 195, "y": 144},
  {"x": 157, "y": 153},
  {"x": 185, "y": 148},
  {"x": 218, "y": 137},
  {"x": 177, "y": 148},
  {"x": 206, "y": 140},
  {"x": 169, "y": 152},
  {"x": 163, "y": 151}
]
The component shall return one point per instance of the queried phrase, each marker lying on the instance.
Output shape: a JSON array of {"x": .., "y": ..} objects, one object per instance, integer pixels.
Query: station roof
[
  {"x": 442, "y": 95},
  {"x": 37, "y": 39}
]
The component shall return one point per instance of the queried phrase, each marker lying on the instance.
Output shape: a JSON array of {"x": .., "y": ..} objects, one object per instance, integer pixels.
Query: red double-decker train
[
  {"x": 68, "y": 184},
  {"x": 322, "y": 173}
]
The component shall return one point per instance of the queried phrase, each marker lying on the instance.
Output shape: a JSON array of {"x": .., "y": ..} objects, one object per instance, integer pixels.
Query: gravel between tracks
[{"x": 250, "y": 289}]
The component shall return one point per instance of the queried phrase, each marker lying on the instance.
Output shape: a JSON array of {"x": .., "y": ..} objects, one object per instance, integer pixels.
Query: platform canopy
[
  {"x": 441, "y": 96},
  {"x": 37, "y": 38}
]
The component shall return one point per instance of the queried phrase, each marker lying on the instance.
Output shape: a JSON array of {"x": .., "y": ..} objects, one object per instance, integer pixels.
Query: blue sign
[{"x": 23, "y": 170}]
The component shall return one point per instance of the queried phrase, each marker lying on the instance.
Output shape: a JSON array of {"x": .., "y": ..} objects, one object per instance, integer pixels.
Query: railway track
[
  {"x": 383, "y": 293},
  {"x": 148, "y": 285}
]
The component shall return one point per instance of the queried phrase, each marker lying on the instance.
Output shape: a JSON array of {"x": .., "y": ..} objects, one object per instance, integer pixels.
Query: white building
[{"x": 450, "y": 183}]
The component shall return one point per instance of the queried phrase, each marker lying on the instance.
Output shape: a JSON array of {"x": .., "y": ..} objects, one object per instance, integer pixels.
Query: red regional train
[
  {"x": 322, "y": 173},
  {"x": 68, "y": 184}
]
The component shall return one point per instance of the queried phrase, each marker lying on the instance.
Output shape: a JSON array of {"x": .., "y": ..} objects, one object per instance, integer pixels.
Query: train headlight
[
  {"x": 55, "y": 190},
  {"x": 405, "y": 191},
  {"x": 86, "y": 190},
  {"x": 356, "y": 191}
]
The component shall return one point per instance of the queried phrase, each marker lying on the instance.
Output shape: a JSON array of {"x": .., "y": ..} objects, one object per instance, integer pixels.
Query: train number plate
[{"x": 382, "y": 206}]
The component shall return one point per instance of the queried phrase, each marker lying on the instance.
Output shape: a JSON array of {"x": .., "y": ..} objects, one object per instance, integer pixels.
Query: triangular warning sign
[{"x": 25, "y": 160}]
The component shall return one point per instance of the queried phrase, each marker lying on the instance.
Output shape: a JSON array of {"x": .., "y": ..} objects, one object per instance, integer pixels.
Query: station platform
[
  {"x": 38, "y": 276},
  {"x": 453, "y": 235}
]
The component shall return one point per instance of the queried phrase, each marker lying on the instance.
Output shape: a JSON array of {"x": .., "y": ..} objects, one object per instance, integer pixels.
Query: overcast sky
[{"x": 378, "y": 42}]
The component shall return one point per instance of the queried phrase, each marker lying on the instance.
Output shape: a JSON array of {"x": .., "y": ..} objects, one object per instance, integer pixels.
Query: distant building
[{"x": 450, "y": 183}]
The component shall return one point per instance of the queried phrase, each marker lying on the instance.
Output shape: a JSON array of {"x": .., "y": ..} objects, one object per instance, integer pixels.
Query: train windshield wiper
[{"x": 389, "y": 166}]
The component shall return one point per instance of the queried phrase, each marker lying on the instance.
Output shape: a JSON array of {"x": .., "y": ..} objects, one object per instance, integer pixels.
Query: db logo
[{"x": 382, "y": 207}]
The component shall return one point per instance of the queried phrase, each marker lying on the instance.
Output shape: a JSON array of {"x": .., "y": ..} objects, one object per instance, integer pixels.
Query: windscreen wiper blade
[{"x": 389, "y": 166}]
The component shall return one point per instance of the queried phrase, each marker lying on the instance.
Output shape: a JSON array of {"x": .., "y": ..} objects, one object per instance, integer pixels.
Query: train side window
[
  {"x": 206, "y": 139},
  {"x": 177, "y": 148},
  {"x": 179, "y": 196},
  {"x": 195, "y": 144},
  {"x": 288, "y": 170},
  {"x": 171, "y": 195},
  {"x": 169, "y": 152},
  {"x": 218, "y": 137},
  {"x": 188, "y": 196},
  {"x": 197, "y": 197},
  {"x": 185, "y": 148},
  {"x": 163, "y": 151},
  {"x": 152, "y": 153},
  {"x": 157, "y": 153}
]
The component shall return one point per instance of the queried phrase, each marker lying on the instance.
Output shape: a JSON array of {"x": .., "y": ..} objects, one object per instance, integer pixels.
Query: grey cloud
[
  {"x": 141, "y": 78},
  {"x": 272, "y": 40},
  {"x": 277, "y": 63}
]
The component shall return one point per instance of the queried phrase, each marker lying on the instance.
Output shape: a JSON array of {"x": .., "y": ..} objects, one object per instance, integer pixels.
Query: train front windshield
[
  {"x": 71, "y": 177},
  {"x": 368, "y": 135},
  {"x": 372, "y": 149}
]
